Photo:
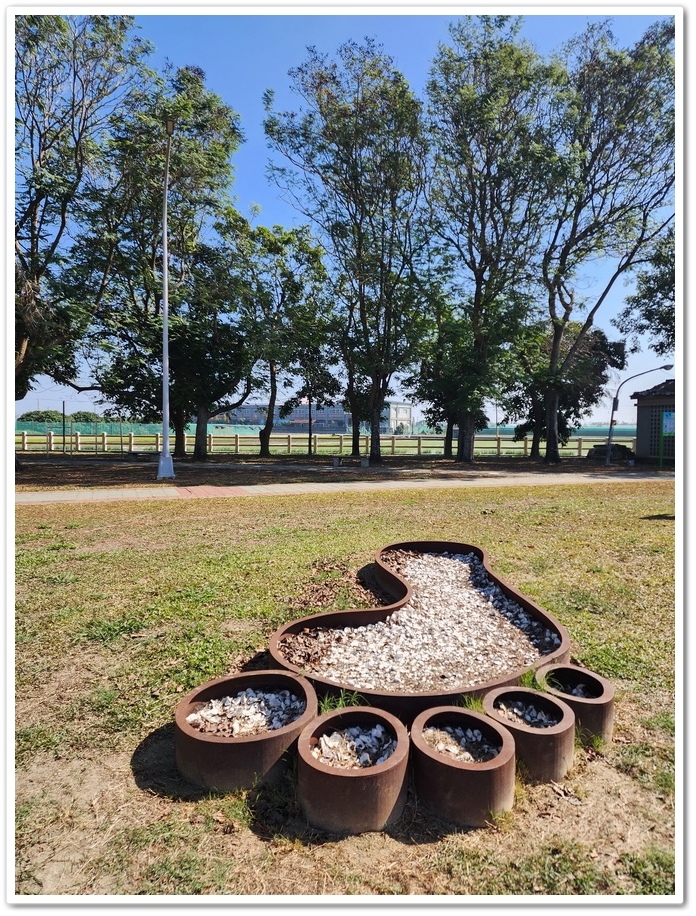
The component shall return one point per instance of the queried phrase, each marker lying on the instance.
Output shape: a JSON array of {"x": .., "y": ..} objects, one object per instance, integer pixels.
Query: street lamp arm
[{"x": 631, "y": 377}]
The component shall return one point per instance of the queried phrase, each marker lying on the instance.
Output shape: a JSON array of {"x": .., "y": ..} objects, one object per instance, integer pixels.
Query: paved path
[{"x": 293, "y": 489}]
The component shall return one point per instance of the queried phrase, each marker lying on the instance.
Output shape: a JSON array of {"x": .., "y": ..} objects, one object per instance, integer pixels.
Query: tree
[
  {"x": 85, "y": 416},
  {"x": 487, "y": 95},
  {"x": 41, "y": 416},
  {"x": 71, "y": 73},
  {"x": 357, "y": 156},
  {"x": 319, "y": 385},
  {"x": 650, "y": 311},
  {"x": 610, "y": 183},
  {"x": 116, "y": 260},
  {"x": 583, "y": 387},
  {"x": 451, "y": 381},
  {"x": 283, "y": 308}
]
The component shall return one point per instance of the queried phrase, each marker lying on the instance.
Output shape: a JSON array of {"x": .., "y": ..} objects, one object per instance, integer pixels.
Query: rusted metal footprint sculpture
[{"x": 520, "y": 635}]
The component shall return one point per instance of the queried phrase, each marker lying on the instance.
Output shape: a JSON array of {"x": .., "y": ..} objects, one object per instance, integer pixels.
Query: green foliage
[
  {"x": 85, "y": 416},
  {"x": 285, "y": 314},
  {"x": 532, "y": 681},
  {"x": 41, "y": 416},
  {"x": 563, "y": 868},
  {"x": 471, "y": 701},
  {"x": 71, "y": 73},
  {"x": 652, "y": 872},
  {"x": 116, "y": 257},
  {"x": 582, "y": 389},
  {"x": 610, "y": 195},
  {"x": 340, "y": 700},
  {"x": 649, "y": 763},
  {"x": 357, "y": 157},
  {"x": 486, "y": 97},
  {"x": 534, "y": 168},
  {"x": 651, "y": 309},
  {"x": 107, "y": 630},
  {"x": 31, "y": 739}
]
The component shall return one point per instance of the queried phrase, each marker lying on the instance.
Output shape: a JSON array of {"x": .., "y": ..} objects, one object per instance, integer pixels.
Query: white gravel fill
[
  {"x": 459, "y": 630},
  {"x": 249, "y": 712}
]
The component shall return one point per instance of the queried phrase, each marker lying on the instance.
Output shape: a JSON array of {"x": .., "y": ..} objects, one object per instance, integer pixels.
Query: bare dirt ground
[
  {"x": 120, "y": 823},
  {"x": 39, "y": 472},
  {"x": 90, "y": 802}
]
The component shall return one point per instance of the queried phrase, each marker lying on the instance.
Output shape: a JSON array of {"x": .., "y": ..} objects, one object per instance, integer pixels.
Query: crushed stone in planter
[
  {"x": 355, "y": 747},
  {"x": 523, "y": 713},
  {"x": 458, "y": 630},
  {"x": 465, "y": 744},
  {"x": 250, "y": 712},
  {"x": 581, "y": 690}
]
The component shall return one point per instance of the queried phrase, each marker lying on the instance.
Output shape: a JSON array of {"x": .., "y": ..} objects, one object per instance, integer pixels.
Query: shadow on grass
[
  {"x": 154, "y": 769},
  {"x": 275, "y": 811},
  {"x": 277, "y": 814}
]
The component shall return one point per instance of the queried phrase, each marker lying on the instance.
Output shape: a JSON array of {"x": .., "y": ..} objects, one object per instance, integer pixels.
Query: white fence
[{"x": 288, "y": 444}]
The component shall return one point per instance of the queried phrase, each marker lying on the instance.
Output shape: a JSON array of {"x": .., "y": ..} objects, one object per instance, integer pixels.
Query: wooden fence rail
[{"x": 288, "y": 444}]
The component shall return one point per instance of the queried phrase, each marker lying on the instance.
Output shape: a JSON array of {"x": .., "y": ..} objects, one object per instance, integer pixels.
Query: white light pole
[
  {"x": 615, "y": 406},
  {"x": 166, "y": 465}
]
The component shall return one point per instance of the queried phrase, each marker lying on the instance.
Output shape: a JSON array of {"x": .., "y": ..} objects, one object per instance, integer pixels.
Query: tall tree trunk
[
  {"x": 355, "y": 418},
  {"x": 355, "y": 433},
  {"x": 465, "y": 440},
  {"x": 265, "y": 432},
  {"x": 309, "y": 427},
  {"x": 378, "y": 393},
  {"x": 375, "y": 442},
  {"x": 538, "y": 414},
  {"x": 449, "y": 436},
  {"x": 200, "y": 449},
  {"x": 179, "y": 423},
  {"x": 553, "y": 455}
]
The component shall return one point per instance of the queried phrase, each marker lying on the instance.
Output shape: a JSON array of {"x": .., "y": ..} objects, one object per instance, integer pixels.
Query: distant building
[
  {"x": 655, "y": 422},
  {"x": 397, "y": 415}
]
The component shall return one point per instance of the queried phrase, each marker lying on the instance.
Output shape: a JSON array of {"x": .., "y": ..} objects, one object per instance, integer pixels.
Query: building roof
[{"x": 665, "y": 389}]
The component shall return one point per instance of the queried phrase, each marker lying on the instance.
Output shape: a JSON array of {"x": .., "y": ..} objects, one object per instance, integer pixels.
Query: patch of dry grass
[{"x": 42, "y": 472}]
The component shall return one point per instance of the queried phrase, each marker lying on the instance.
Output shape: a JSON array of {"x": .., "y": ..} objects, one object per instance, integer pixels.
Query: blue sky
[{"x": 242, "y": 55}]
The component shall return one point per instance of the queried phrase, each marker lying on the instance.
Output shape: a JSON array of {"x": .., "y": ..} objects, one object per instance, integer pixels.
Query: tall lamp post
[
  {"x": 166, "y": 465},
  {"x": 615, "y": 406}
]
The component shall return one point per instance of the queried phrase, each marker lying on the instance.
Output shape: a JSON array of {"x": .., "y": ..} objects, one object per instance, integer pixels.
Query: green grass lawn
[{"x": 121, "y": 607}]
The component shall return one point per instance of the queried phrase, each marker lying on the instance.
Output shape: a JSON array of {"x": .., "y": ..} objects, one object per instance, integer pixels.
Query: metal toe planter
[
  {"x": 547, "y": 753},
  {"x": 225, "y": 763},
  {"x": 594, "y": 711},
  {"x": 351, "y": 801},
  {"x": 467, "y": 794}
]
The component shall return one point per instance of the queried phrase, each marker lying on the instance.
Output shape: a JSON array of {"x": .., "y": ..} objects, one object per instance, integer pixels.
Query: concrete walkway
[{"x": 295, "y": 489}]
